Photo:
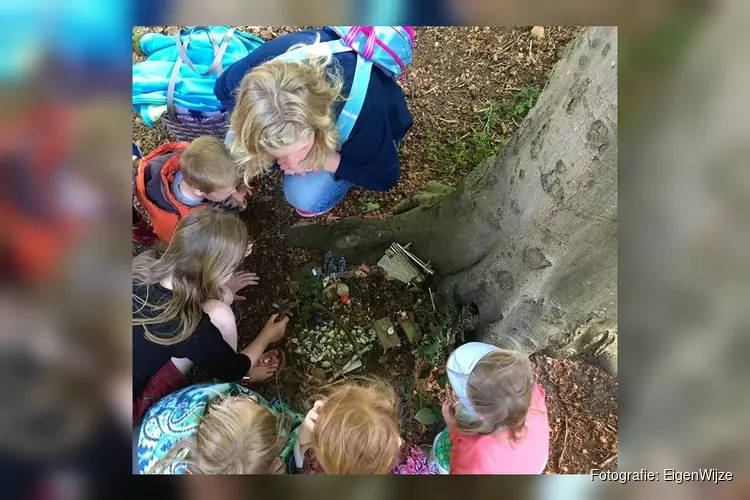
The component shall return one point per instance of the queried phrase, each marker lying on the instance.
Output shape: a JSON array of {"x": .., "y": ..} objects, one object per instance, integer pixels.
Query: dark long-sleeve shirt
[
  {"x": 368, "y": 157},
  {"x": 205, "y": 347}
]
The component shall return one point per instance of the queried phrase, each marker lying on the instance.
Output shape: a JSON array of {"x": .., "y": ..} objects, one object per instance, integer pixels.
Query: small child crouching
[
  {"x": 497, "y": 422},
  {"x": 178, "y": 178}
]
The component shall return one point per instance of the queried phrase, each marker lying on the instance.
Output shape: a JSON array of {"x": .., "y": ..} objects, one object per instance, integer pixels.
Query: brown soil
[
  {"x": 457, "y": 74},
  {"x": 582, "y": 406}
]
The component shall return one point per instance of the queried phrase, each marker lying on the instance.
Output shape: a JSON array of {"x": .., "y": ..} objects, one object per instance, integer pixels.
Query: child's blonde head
[
  {"x": 235, "y": 436},
  {"x": 279, "y": 104},
  {"x": 207, "y": 165},
  {"x": 357, "y": 429},
  {"x": 499, "y": 388}
]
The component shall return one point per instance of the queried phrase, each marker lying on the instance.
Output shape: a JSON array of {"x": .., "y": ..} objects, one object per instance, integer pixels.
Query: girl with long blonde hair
[
  {"x": 285, "y": 115},
  {"x": 182, "y": 314}
]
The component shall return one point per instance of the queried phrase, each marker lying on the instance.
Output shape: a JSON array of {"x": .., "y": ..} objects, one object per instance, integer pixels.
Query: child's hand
[
  {"x": 238, "y": 197},
  {"x": 308, "y": 425},
  {"x": 278, "y": 467},
  {"x": 240, "y": 280},
  {"x": 448, "y": 416},
  {"x": 275, "y": 328}
]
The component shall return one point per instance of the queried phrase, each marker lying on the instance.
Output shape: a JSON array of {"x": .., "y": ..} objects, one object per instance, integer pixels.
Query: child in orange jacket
[{"x": 179, "y": 177}]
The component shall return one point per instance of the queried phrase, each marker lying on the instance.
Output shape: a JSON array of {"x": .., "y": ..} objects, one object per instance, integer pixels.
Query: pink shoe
[{"x": 305, "y": 213}]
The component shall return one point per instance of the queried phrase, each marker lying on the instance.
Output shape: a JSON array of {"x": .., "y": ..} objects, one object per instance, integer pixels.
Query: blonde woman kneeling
[{"x": 284, "y": 115}]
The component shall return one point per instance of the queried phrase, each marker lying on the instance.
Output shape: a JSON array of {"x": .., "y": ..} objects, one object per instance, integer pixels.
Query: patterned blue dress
[{"x": 178, "y": 416}]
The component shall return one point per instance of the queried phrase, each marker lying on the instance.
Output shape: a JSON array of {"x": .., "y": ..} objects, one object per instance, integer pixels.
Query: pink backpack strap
[{"x": 349, "y": 38}]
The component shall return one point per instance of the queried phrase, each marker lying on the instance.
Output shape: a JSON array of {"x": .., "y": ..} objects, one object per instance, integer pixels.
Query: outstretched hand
[
  {"x": 448, "y": 415},
  {"x": 240, "y": 280},
  {"x": 308, "y": 425}
]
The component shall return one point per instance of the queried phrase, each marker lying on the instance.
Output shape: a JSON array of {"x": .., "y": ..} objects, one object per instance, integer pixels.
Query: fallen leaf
[
  {"x": 342, "y": 289},
  {"x": 370, "y": 207},
  {"x": 425, "y": 416}
]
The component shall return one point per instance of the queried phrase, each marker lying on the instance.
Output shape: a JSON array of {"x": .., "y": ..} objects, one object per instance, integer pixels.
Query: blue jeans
[{"x": 315, "y": 191}]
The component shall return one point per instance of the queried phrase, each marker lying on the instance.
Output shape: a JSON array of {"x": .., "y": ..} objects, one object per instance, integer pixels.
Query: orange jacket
[
  {"x": 36, "y": 233},
  {"x": 162, "y": 221}
]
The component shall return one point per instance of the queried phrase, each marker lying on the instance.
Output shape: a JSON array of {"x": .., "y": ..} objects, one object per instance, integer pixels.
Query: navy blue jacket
[{"x": 368, "y": 158}]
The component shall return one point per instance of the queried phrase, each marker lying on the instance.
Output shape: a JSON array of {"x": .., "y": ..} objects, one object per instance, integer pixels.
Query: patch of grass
[
  {"x": 467, "y": 151},
  {"x": 137, "y": 35}
]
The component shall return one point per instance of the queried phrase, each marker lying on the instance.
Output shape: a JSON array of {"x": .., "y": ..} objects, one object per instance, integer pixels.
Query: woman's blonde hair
[
  {"x": 357, "y": 428},
  {"x": 236, "y": 436},
  {"x": 206, "y": 248},
  {"x": 278, "y": 103},
  {"x": 499, "y": 388}
]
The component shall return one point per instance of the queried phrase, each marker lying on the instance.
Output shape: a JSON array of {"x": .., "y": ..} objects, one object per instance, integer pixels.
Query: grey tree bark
[{"x": 529, "y": 237}]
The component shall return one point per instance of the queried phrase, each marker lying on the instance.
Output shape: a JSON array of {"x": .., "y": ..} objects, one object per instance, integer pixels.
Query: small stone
[
  {"x": 537, "y": 31},
  {"x": 295, "y": 341},
  {"x": 325, "y": 364}
]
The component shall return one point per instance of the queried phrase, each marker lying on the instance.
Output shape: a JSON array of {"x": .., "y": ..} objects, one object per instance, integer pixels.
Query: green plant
[
  {"x": 370, "y": 207},
  {"x": 310, "y": 289},
  {"x": 524, "y": 101}
]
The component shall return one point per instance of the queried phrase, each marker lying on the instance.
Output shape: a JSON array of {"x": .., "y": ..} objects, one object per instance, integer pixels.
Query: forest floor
[{"x": 468, "y": 89}]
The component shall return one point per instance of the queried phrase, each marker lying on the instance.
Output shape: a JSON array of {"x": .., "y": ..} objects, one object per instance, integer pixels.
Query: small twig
[
  {"x": 565, "y": 442},
  {"x": 447, "y": 121},
  {"x": 432, "y": 299},
  {"x": 607, "y": 461},
  {"x": 431, "y": 90},
  {"x": 263, "y": 235}
]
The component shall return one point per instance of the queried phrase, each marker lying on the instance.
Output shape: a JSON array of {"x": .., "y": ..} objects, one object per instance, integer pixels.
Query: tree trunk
[{"x": 529, "y": 237}]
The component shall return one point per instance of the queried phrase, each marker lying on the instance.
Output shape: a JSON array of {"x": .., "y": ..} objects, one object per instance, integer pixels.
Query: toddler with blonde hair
[
  {"x": 354, "y": 429},
  {"x": 178, "y": 178},
  {"x": 496, "y": 417}
]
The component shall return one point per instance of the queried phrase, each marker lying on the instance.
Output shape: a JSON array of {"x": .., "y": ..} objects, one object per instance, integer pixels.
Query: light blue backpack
[{"x": 388, "y": 47}]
